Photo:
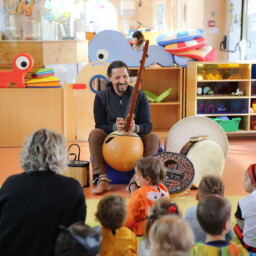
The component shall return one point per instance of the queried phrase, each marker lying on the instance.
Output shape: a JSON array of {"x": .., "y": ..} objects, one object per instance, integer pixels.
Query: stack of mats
[
  {"x": 44, "y": 78},
  {"x": 189, "y": 44}
]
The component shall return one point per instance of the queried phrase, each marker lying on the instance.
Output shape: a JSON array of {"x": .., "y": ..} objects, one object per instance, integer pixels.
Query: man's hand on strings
[
  {"x": 132, "y": 126},
  {"x": 120, "y": 124}
]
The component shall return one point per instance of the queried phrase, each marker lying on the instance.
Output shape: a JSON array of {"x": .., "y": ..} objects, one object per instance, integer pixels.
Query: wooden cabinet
[
  {"x": 157, "y": 80},
  {"x": 222, "y": 89},
  {"x": 24, "y": 111}
]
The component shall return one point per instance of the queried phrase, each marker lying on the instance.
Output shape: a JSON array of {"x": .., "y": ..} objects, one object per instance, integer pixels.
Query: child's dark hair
[
  {"x": 212, "y": 213},
  {"x": 79, "y": 239},
  {"x": 151, "y": 167},
  {"x": 139, "y": 37},
  {"x": 161, "y": 207},
  {"x": 210, "y": 185},
  {"x": 251, "y": 172},
  {"x": 112, "y": 211}
]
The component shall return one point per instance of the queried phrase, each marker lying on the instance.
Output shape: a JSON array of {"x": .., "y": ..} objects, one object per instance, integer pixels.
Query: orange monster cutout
[{"x": 22, "y": 63}]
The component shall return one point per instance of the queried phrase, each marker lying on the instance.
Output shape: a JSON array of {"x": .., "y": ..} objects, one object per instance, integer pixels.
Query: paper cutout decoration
[
  {"x": 179, "y": 36},
  {"x": 110, "y": 45},
  {"x": 185, "y": 46},
  {"x": 22, "y": 63},
  {"x": 205, "y": 53}
]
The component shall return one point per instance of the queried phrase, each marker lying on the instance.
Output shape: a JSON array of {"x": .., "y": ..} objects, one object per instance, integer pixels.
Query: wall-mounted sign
[{"x": 211, "y": 23}]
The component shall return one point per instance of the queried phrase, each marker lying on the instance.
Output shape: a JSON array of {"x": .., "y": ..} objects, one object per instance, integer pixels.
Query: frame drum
[
  {"x": 191, "y": 126},
  {"x": 180, "y": 172},
  {"x": 207, "y": 158}
]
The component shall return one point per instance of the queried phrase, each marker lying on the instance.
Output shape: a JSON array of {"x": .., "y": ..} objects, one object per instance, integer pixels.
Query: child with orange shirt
[{"x": 149, "y": 173}]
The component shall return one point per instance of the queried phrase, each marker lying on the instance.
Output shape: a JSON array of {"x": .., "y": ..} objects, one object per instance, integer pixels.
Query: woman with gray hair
[{"x": 33, "y": 204}]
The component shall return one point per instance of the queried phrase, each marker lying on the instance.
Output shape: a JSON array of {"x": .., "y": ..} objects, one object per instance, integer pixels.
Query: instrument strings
[{"x": 129, "y": 103}]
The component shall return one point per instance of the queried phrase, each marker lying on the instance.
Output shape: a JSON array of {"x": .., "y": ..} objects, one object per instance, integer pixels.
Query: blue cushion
[
  {"x": 118, "y": 177},
  {"x": 179, "y": 36}
]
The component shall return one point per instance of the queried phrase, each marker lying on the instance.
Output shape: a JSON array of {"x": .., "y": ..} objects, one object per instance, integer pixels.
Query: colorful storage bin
[{"x": 229, "y": 125}]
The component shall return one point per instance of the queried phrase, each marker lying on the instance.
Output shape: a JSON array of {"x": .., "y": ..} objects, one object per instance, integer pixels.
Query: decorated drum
[{"x": 180, "y": 172}]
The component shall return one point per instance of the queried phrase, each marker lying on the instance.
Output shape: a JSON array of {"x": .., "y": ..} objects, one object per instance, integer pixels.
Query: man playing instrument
[{"x": 110, "y": 108}]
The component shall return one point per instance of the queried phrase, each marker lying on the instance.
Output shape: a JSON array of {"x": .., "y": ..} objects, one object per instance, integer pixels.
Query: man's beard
[{"x": 121, "y": 90}]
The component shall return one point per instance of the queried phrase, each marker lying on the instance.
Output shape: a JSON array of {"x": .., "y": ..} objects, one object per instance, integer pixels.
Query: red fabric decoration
[
  {"x": 133, "y": 224},
  {"x": 172, "y": 209}
]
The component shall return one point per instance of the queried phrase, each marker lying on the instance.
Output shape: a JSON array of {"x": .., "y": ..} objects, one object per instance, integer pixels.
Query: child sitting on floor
[
  {"x": 209, "y": 185},
  {"x": 116, "y": 239},
  {"x": 162, "y": 207},
  {"x": 246, "y": 212},
  {"x": 149, "y": 173},
  {"x": 213, "y": 214},
  {"x": 170, "y": 235},
  {"x": 78, "y": 239}
]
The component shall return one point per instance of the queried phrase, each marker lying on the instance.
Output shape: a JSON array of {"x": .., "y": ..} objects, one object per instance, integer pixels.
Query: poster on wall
[
  {"x": 251, "y": 31},
  {"x": 234, "y": 28},
  {"x": 160, "y": 15}
]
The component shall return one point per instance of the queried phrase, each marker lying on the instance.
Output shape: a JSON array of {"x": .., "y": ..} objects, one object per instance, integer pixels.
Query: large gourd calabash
[{"x": 122, "y": 149}]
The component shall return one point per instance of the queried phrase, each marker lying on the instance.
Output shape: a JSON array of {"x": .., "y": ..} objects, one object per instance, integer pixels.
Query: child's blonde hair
[
  {"x": 151, "y": 167},
  {"x": 161, "y": 207},
  {"x": 112, "y": 211},
  {"x": 209, "y": 185},
  {"x": 171, "y": 233}
]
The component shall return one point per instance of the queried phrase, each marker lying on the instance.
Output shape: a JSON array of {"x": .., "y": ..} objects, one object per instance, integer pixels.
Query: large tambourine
[
  {"x": 192, "y": 126},
  {"x": 180, "y": 172}
]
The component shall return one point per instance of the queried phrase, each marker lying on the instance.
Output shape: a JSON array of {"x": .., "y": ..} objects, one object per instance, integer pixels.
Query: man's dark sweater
[
  {"x": 108, "y": 106},
  {"x": 32, "y": 206}
]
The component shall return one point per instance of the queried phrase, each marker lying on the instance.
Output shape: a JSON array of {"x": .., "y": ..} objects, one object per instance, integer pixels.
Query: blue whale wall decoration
[{"x": 110, "y": 45}]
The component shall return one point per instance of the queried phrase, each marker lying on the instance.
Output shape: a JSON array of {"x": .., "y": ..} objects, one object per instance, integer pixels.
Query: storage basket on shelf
[
  {"x": 229, "y": 125},
  {"x": 78, "y": 169}
]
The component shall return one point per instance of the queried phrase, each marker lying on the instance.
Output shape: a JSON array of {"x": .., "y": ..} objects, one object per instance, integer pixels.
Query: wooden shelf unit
[
  {"x": 229, "y": 76},
  {"x": 157, "y": 80}
]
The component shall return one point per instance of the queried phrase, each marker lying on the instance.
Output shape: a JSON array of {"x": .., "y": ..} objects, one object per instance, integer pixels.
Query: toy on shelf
[
  {"x": 254, "y": 124},
  {"x": 154, "y": 98},
  {"x": 215, "y": 75},
  {"x": 22, "y": 63},
  {"x": 221, "y": 108},
  {"x": 237, "y": 93},
  {"x": 254, "y": 106},
  {"x": 235, "y": 76},
  {"x": 211, "y": 109},
  {"x": 207, "y": 90},
  {"x": 44, "y": 78}
]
